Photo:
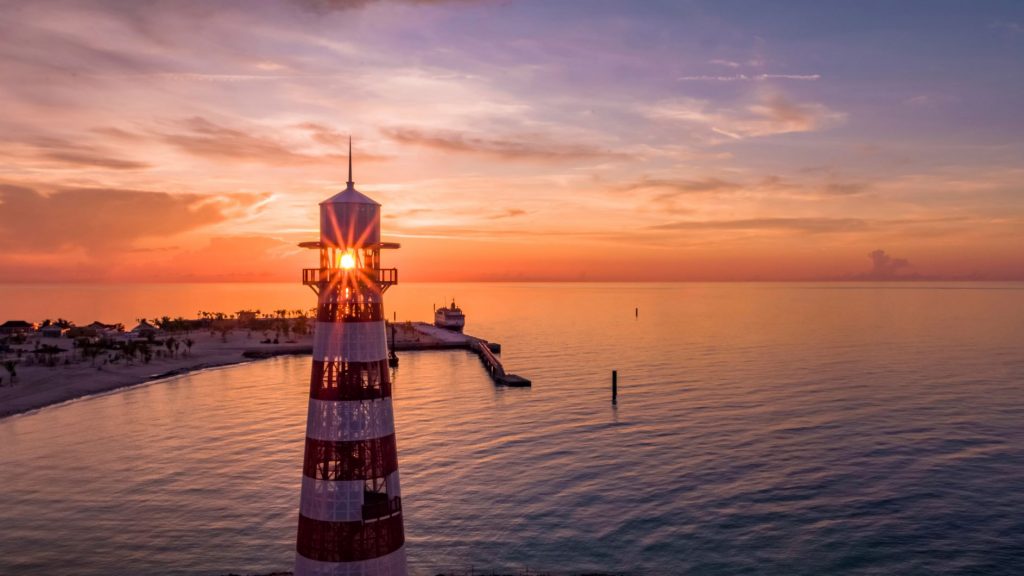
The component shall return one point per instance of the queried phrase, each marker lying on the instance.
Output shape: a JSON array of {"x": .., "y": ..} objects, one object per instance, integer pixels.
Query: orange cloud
[
  {"x": 58, "y": 153},
  {"x": 201, "y": 137},
  {"x": 100, "y": 220}
]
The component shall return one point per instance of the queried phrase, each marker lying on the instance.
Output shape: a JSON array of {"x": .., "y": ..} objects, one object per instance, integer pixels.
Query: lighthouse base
[{"x": 392, "y": 564}]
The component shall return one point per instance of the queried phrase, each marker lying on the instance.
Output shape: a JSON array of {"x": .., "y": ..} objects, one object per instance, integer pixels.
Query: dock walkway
[
  {"x": 410, "y": 336},
  {"x": 424, "y": 336}
]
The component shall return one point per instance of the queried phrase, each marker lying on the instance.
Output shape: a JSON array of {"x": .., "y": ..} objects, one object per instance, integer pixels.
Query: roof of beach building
[
  {"x": 144, "y": 325},
  {"x": 99, "y": 325},
  {"x": 17, "y": 324}
]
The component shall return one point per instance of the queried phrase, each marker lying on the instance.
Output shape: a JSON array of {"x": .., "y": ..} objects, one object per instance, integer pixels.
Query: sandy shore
[
  {"x": 72, "y": 377},
  {"x": 37, "y": 386}
]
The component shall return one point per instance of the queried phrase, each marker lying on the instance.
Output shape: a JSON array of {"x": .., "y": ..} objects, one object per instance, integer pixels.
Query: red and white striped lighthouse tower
[{"x": 350, "y": 513}]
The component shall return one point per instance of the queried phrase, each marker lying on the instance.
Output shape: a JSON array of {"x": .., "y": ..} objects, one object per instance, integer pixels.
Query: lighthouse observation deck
[{"x": 316, "y": 278}]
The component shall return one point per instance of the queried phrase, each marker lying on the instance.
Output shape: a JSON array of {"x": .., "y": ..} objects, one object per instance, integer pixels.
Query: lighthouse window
[
  {"x": 376, "y": 486},
  {"x": 377, "y": 501}
]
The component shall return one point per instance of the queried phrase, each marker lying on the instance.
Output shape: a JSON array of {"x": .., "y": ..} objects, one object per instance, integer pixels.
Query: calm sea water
[{"x": 761, "y": 428}]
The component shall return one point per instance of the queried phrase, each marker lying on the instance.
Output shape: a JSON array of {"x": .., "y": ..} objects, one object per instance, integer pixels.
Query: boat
[{"x": 450, "y": 317}]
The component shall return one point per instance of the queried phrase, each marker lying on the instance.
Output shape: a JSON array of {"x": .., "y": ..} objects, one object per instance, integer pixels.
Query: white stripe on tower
[
  {"x": 338, "y": 500},
  {"x": 332, "y": 500},
  {"x": 392, "y": 564},
  {"x": 339, "y": 420},
  {"x": 350, "y": 341}
]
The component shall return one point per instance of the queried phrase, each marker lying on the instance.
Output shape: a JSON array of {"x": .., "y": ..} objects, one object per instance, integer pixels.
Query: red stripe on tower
[{"x": 350, "y": 511}]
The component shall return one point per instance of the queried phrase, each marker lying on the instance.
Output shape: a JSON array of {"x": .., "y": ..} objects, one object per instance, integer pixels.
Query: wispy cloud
[
  {"x": 749, "y": 77},
  {"x": 60, "y": 153},
  {"x": 507, "y": 213},
  {"x": 325, "y": 134},
  {"x": 771, "y": 113},
  {"x": 930, "y": 100},
  {"x": 726, "y": 63},
  {"x": 329, "y": 5},
  {"x": 845, "y": 188},
  {"x": 810, "y": 225},
  {"x": 1009, "y": 26},
  {"x": 528, "y": 147},
  {"x": 201, "y": 137},
  {"x": 334, "y": 138},
  {"x": 683, "y": 186},
  {"x": 666, "y": 189}
]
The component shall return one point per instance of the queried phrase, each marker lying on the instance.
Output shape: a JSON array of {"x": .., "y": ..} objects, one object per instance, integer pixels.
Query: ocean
[{"x": 848, "y": 428}]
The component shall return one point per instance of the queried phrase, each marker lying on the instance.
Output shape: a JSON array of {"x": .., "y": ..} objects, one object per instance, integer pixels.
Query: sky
[{"x": 583, "y": 140}]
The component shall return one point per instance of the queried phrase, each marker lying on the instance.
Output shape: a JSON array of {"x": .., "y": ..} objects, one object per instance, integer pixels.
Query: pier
[
  {"x": 407, "y": 336},
  {"x": 412, "y": 336},
  {"x": 494, "y": 367}
]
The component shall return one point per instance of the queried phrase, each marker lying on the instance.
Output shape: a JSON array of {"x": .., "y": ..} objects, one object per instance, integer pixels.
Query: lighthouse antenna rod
[{"x": 350, "y": 182}]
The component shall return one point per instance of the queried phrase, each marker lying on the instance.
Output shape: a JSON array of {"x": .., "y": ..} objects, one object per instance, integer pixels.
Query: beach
[{"x": 71, "y": 376}]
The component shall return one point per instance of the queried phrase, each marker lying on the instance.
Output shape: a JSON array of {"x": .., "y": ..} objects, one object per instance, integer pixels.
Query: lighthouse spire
[{"x": 350, "y": 182}]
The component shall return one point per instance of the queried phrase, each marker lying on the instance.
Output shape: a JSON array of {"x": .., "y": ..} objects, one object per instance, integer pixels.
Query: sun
[{"x": 348, "y": 261}]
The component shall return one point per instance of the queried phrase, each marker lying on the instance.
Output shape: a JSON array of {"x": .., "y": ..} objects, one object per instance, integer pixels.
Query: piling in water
[{"x": 615, "y": 386}]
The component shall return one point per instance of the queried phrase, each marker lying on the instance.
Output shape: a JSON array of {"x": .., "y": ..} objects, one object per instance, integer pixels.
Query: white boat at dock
[{"x": 450, "y": 318}]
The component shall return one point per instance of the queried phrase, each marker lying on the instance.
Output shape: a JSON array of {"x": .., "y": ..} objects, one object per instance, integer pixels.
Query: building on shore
[
  {"x": 144, "y": 330},
  {"x": 246, "y": 317},
  {"x": 53, "y": 331},
  {"x": 101, "y": 328},
  {"x": 16, "y": 328}
]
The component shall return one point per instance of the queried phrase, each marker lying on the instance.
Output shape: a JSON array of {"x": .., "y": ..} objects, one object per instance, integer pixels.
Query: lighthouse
[{"x": 350, "y": 511}]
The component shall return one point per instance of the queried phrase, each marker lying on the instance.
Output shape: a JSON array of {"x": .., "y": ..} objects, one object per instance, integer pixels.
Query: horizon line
[{"x": 849, "y": 280}]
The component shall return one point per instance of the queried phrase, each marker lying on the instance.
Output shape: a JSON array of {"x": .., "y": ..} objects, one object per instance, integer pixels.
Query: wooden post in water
[{"x": 615, "y": 386}]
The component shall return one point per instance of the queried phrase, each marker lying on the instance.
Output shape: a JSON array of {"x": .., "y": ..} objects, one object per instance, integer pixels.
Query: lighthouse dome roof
[{"x": 350, "y": 196}]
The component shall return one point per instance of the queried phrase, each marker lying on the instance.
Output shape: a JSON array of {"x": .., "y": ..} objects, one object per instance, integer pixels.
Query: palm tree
[
  {"x": 301, "y": 324},
  {"x": 130, "y": 349},
  {"x": 10, "y": 366}
]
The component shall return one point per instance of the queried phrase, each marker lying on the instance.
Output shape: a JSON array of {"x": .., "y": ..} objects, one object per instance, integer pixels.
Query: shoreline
[
  {"x": 118, "y": 387},
  {"x": 73, "y": 378},
  {"x": 40, "y": 386}
]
